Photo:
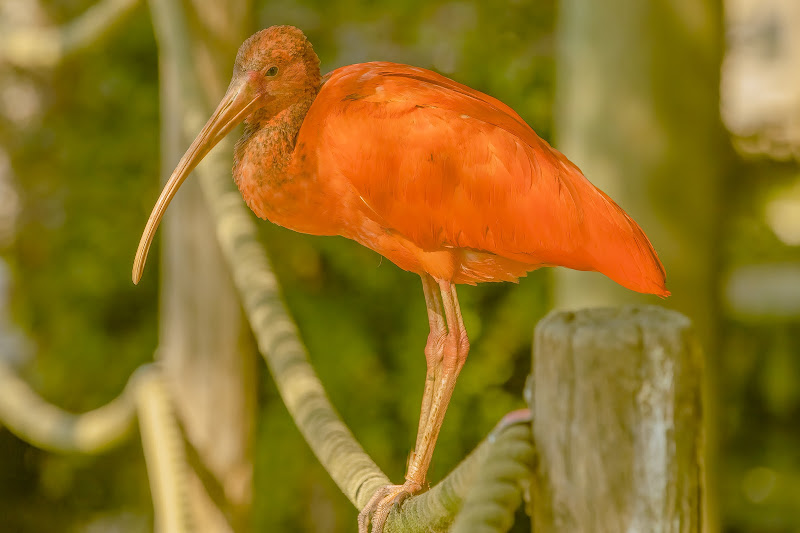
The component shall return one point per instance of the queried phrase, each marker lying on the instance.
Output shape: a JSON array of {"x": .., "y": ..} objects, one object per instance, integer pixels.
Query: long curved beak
[{"x": 236, "y": 105}]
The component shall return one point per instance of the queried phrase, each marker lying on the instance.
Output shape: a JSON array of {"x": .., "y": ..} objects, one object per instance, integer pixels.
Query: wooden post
[{"x": 616, "y": 397}]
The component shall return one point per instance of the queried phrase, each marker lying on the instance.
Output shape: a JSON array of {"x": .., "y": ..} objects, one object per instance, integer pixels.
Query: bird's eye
[{"x": 271, "y": 71}]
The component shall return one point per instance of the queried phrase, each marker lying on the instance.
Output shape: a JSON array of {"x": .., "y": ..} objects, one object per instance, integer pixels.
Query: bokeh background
[{"x": 688, "y": 113}]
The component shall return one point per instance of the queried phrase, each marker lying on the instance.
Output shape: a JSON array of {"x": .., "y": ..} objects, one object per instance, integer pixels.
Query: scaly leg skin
[
  {"x": 445, "y": 352},
  {"x": 434, "y": 349}
]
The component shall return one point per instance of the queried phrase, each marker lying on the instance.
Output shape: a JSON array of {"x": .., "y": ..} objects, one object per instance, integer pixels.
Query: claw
[{"x": 381, "y": 505}]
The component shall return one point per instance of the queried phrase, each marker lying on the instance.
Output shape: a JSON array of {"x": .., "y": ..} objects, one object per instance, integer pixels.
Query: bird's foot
[{"x": 381, "y": 504}]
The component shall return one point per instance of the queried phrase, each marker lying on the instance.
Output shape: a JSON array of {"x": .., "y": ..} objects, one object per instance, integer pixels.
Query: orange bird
[{"x": 440, "y": 179}]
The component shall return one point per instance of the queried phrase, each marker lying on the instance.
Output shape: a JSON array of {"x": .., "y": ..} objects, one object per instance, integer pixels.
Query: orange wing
[{"x": 449, "y": 167}]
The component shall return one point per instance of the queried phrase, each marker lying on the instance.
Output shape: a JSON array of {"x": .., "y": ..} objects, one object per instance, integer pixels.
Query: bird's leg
[
  {"x": 434, "y": 349},
  {"x": 454, "y": 354},
  {"x": 446, "y": 352}
]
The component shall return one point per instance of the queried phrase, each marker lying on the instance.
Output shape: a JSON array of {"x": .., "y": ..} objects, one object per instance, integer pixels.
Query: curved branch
[
  {"x": 341, "y": 455},
  {"x": 46, "y": 47},
  {"x": 164, "y": 451},
  {"x": 46, "y": 426},
  {"x": 505, "y": 454},
  {"x": 493, "y": 498}
]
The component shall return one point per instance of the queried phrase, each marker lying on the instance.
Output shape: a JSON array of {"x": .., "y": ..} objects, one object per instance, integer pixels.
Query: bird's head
[{"x": 275, "y": 69}]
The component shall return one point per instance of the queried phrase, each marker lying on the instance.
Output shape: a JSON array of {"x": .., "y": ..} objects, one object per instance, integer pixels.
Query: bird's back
[{"x": 442, "y": 167}]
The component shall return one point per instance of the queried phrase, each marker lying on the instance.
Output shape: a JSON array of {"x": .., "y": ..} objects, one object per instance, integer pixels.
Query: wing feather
[{"x": 449, "y": 167}]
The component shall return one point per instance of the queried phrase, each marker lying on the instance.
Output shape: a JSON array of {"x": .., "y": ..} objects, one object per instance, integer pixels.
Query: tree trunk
[
  {"x": 637, "y": 110},
  {"x": 205, "y": 345}
]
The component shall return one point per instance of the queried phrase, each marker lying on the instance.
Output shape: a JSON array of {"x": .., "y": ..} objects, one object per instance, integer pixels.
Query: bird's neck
[
  {"x": 263, "y": 168},
  {"x": 272, "y": 137}
]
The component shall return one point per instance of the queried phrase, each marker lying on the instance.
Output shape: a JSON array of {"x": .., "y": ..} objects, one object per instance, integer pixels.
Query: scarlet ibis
[{"x": 440, "y": 179}]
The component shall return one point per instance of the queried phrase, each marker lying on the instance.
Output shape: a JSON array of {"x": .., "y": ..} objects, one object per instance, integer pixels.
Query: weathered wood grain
[{"x": 616, "y": 397}]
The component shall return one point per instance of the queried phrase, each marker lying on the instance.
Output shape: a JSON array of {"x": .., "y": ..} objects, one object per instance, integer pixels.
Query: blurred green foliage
[
  {"x": 86, "y": 170},
  {"x": 758, "y": 371},
  {"x": 81, "y": 168}
]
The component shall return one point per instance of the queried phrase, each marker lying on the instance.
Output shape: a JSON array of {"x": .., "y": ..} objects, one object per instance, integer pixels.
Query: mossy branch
[
  {"x": 481, "y": 493},
  {"x": 26, "y": 414},
  {"x": 164, "y": 452},
  {"x": 279, "y": 342},
  {"x": 499, "y": 484}
]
